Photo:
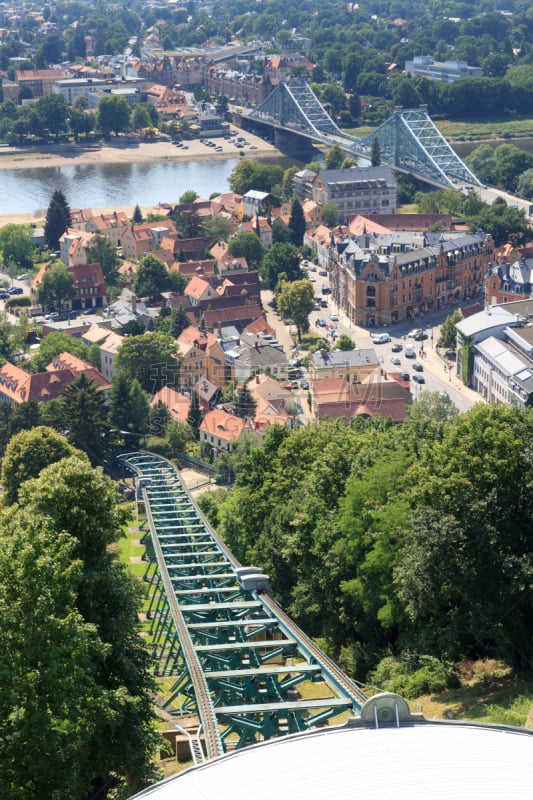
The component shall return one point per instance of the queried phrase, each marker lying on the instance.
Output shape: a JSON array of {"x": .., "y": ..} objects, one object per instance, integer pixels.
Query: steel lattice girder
[
  {"x": 296, "y": 106},
  {"x": 409, "y": 140}
]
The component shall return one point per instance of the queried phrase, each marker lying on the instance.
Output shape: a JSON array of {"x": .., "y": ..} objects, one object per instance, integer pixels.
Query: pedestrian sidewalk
[{"x": 432, "y": 361}]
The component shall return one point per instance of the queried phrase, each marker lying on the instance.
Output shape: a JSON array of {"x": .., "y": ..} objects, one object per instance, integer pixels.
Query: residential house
[
  {"x": 260, "y": 226},
  {"x": 138, "y": 240},
  {"x": 219, "y": 430},
  {"x": 338, "y": 398},
  {"x": 274, "y": 404},
  {"x": 381, "y": 279},
  {"x": 177, "y": 403},
  {"x": 18, "y": 386},
  {"x": 41, "y": 82},
  {"x": 193, "y": 350},
  {"x": 73, "y": 246},
  {"x": 354, "y": 366},
  {"x": 108, "y": 354},
  {"x": 357, "y": 190}
]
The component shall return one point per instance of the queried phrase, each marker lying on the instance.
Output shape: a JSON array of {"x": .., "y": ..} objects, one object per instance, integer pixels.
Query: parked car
[
  {"x": 15, "y": 290},
  {"x": 52, "y": 315},
  {"x": 419, "y": 378},
  {"x": 395, "y": 360},
  {"x": 380, "y": 338},
  {"x": 418, "y": 367},
  {"x": 323, "y": 304},
  {"x": 323, "y": 273},
  {"x": 404, "y": 376},
  {"x": 414, "y": 333},
  {"x": 326, "y": 290},
  {"x": 23, "y": 277},
  {"x": 420, "y": 336},
  {"x": 321, "y": 322},
  {"x": 316, "y": 307},
  {"x": 334, "y": 317},
  {"x": 304, "y": 384},
  {"x": 396, "y": 347}
]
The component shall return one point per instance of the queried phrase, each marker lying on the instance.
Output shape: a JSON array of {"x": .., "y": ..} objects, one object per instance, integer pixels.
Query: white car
[
  {"x": 312, "y": 278},
  {"x": 396, "y": 361},
  {"x": 381, "y": 338},
  {"x": 334, "y": 317}
]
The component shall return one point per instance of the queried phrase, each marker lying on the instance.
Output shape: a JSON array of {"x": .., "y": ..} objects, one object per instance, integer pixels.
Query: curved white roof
[{"x": 417, "y": 760}]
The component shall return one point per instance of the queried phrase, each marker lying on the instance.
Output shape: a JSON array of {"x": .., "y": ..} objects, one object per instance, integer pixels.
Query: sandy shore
[{"x": 121, "y": 151}]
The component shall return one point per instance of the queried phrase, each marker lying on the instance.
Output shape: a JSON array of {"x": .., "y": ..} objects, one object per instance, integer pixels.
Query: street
[{"x": 437, "y": 378}]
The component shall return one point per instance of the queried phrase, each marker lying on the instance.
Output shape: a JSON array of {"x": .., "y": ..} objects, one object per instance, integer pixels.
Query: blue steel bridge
[
  {"x": 229, "y": 653},
  {"x": 408, "y": 140}
]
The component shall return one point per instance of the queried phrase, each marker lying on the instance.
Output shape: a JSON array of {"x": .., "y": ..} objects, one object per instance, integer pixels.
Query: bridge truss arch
[{"x": 409, "y": 141}]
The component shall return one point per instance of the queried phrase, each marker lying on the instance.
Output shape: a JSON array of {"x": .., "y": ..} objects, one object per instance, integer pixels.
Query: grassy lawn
[
  {"x": 489, "y": 693},
  {"x": 472, "y": 130}
]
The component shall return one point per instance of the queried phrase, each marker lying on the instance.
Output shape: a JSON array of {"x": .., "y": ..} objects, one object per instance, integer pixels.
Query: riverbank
[{"x": 121, "y": 150}]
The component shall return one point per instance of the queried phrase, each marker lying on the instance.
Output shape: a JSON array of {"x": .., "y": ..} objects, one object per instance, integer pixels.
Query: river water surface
[{"x": 23, "y": 191}]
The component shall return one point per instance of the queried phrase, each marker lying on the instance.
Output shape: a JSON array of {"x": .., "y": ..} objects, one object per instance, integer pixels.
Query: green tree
[
  {"x": 188, "y": 197},
  {"x": 296, "y": 301},
  {"x": 218, "y": 226},
  {"x": 253, "y": 175},
  {"x": 81, "y": 122},
  {"x": 151, "y": 277},
  {"x": 140, "y": 117},
  {"x": 194, "y": 415},
  {"x": 113, "y": 114},
  {"x": 179, "y": 322},
  {"x": 247, "y": 245},
  {"x": 344, "y": 342},
  {"x": 375, "y": 154},
  {"x": 53, "y": 112},
  {"x": 47, "y": 658},
  {"x": 57, "y": 220},
  {"x": 281, "y": 232},
  {"x": 27, "y": 453},
  {"x": 101, "y": 251},
  {"x": 83, "y": 502},
  {"x": 151, "y": 358},
  {"x": 330, "y": 215},
  {"x": 56, "y": 287},
  {"x": 297, "y": 224},
  {"x": 137, "y": 216},
  {"x": 178, "y": 434},
  {"x": 281, "y": 260},
  {"x": 53, "y": 344},
  {"x": 159, "y": 419},
  {"x": 470, "y": 541},
  {"x": 334, "y": 157},
  {"x": 85, "y": 416},
  {"x": 448, "y": 332},
  {"x": 16, "y": 245},
  {"x": 244, "y": 404}
]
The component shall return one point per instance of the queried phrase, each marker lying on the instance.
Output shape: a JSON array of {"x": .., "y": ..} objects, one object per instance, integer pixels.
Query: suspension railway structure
[
  {"x": 228, "y": 651},
  {"x": 408, "y": 141}
]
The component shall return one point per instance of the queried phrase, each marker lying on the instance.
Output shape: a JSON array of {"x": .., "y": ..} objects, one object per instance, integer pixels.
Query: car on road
[
  {"x": 316, "y": 307},
  {"x": 397, "y": 347},
  {"x": 311, "y": 278},
  {"x": 417, "y": 366},
  {"x": 323, "y": 273},
  {"x": 396, "y": 361},
  {"x": 420, "y": 336},
  {"x": 419, "y": 378},
  {"x": 52, "y": 315},
  {"x": 326, "y": 290},
  {"x": 321, "y": 322},
  {"x": 404, "y": 376},
  {"x": 414, "y": 333},
  {"x": 304, "y": 384},
  {"x": 380, "y": 338},
  {"x": 334, "y": 317}
]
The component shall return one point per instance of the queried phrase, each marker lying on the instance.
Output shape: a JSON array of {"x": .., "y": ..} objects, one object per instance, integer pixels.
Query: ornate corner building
[{"x": 377, "y": 280}]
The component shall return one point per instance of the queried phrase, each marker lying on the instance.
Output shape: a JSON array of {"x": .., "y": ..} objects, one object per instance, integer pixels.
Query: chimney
[
  {"x": 134, "y": 304},
  {"x": 257, "y": 378}
]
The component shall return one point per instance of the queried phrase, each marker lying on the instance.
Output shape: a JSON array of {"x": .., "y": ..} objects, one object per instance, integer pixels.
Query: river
[{"x": 24, "y": 191}]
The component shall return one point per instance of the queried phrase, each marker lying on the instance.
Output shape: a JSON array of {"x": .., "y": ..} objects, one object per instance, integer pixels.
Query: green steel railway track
[{"x": 233, "y": 657}]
